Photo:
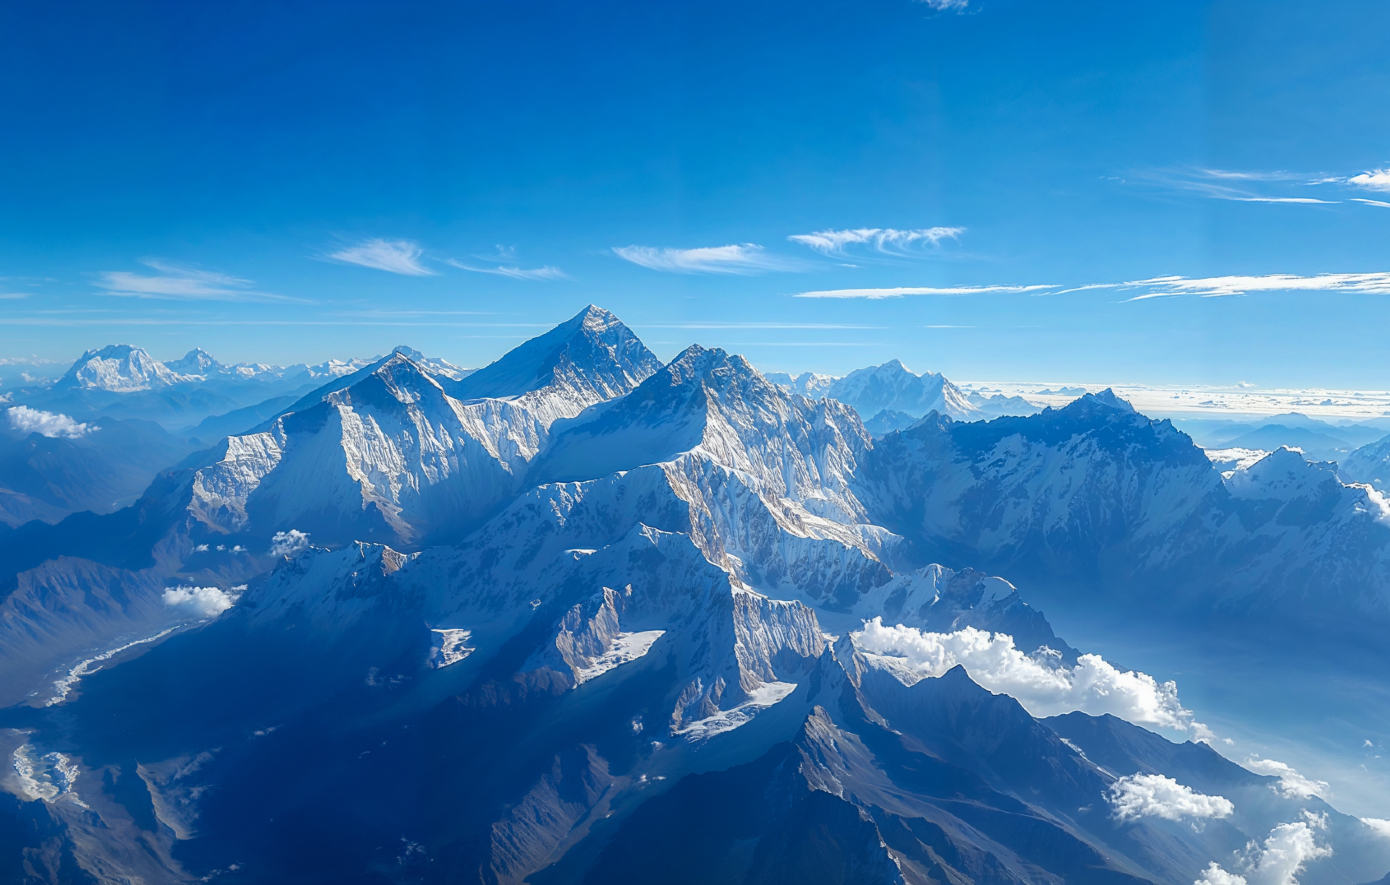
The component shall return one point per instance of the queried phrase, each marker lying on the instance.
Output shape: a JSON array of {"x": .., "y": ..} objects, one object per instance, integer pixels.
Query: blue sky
[{"x": 284, "y": 182}]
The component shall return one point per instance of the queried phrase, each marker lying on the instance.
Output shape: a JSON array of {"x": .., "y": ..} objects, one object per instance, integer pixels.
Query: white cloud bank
[
  {"x": 1292, "y": 784},
  {"x": 202, "y": 602},
  {"x": 49, "y": 424},
  {"x": 887, "y": 240},
  {"x": 1375, "y": 179},
  {"x": 1381, "y": 827},
  {"x": 1285, "y": 852},
  {"x": 1093, "y": 686},
  {"x": 1153, "y": 795},
  {"x": 744, "y": 258},
  {"x": 288, "y": 543},
  {"x": 393, "y": 256}
]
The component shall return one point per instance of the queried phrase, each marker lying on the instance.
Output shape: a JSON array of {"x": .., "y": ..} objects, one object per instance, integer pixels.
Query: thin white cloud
[
  {"x": 288, "y": 543},
  {"x": 202, "y": 602},
  {"x": 176, "y": 283},
  {"x": 1380, "y": 203},
  {"x": 13, "y": 296},
  {"x": 714, "y": 324},
  {"x": 1153, "y": 795},
  {"x": 1252, "y": 176},
  {"x": 393, "y": 256},
  {"x": 1375, "y": 179},
  {"x": 886, "y": 240},
  {"x": 1279, "y": 861},
  {"x": 899, "y": 292},
  {"x": 1213, "y": 287},
  {"x": 1222, "y": 184},
  {"x": 1282, "y": 200},
  {"x": 49, "y": 424},
  {"x": 517, "y": 273},
  {"x": 744, "y": 258},
  {"x": 1043, "y": 687},
  {"x": 1292, "y": 784},
  {"x": 1381, "y": 827},
  {"x": 947, "y": 5}
]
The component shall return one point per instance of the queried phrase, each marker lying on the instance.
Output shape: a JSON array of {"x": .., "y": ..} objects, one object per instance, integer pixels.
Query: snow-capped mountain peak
[
  {"x": 592, "y": 353},
  {"x": 196, "y": 362},
  {"x": 119, "y": 368},
  {"x": 891, "y": 386}
]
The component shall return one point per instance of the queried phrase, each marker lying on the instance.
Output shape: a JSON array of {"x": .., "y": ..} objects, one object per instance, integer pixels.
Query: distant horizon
[{"x": 1235, "y": 402}]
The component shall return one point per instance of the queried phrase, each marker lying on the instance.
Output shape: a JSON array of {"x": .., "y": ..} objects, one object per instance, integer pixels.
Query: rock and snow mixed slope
[
  {"x": 391, "y": 456},
  {"x": 646, "y": 630},
  {"x": 1097, "y": 494}
]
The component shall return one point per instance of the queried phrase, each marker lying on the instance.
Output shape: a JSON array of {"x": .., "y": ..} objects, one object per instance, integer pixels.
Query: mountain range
[{"x": 582, "y": 616}]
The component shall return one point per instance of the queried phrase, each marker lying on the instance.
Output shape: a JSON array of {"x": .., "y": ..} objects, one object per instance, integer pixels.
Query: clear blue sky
[{"x": 184, "y": 174}]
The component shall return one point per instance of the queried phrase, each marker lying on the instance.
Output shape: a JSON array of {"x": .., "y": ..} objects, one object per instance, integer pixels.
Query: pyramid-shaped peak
[
  {"x": 196, "y": 362},
  {"x": 396, "y": 377},
  {"x": 592, "y": 351}
]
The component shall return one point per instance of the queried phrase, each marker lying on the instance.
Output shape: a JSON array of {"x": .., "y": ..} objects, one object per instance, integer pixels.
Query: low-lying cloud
[
  {"x": 1292, "y": 784},
  {"x": 202, "y": 602},
  {"x": 1044, "y": 688},
  {"x": 393, "y": 256},
  {"x": 288, "y": 543},
  {"x": 1284, "y": 854},
  {"x": 49, "y": 424},
  {"x": 1153, "y": 795}
]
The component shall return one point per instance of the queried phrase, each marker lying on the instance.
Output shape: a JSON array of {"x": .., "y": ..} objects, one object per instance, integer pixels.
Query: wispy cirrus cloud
[
  {"x": 1379, "y": 203},
  {"x": 1264, "y": 186},
  {"x": 393, "y": 256},
  {"x": 546, "y": 273},
  {"x": 901, "y": 291},
  {"x": 947, "y": 5},
  {"x": 1223, "y": 184},
  {"x": 717, "y": 325},
  {"x": 172, "y": 282},
  {"x": 886, "y": 240},
  {"x": 1216, "y": 287},
  {"x": 739, "y": 258}
]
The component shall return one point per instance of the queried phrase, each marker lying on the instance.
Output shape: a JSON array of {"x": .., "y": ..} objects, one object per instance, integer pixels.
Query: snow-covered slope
[
  {"x": 593, "y": 354},
  {"x": 1369, "y": 464},
  {"x": 646, "y": 628},
  {"x": 389, "y": 455},
  {"x": 1099, "y": 495},
  {"x": 891, "y": 386},
  {"x": 894, "y": 386},
  {"x": 119, "y": 368}
]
